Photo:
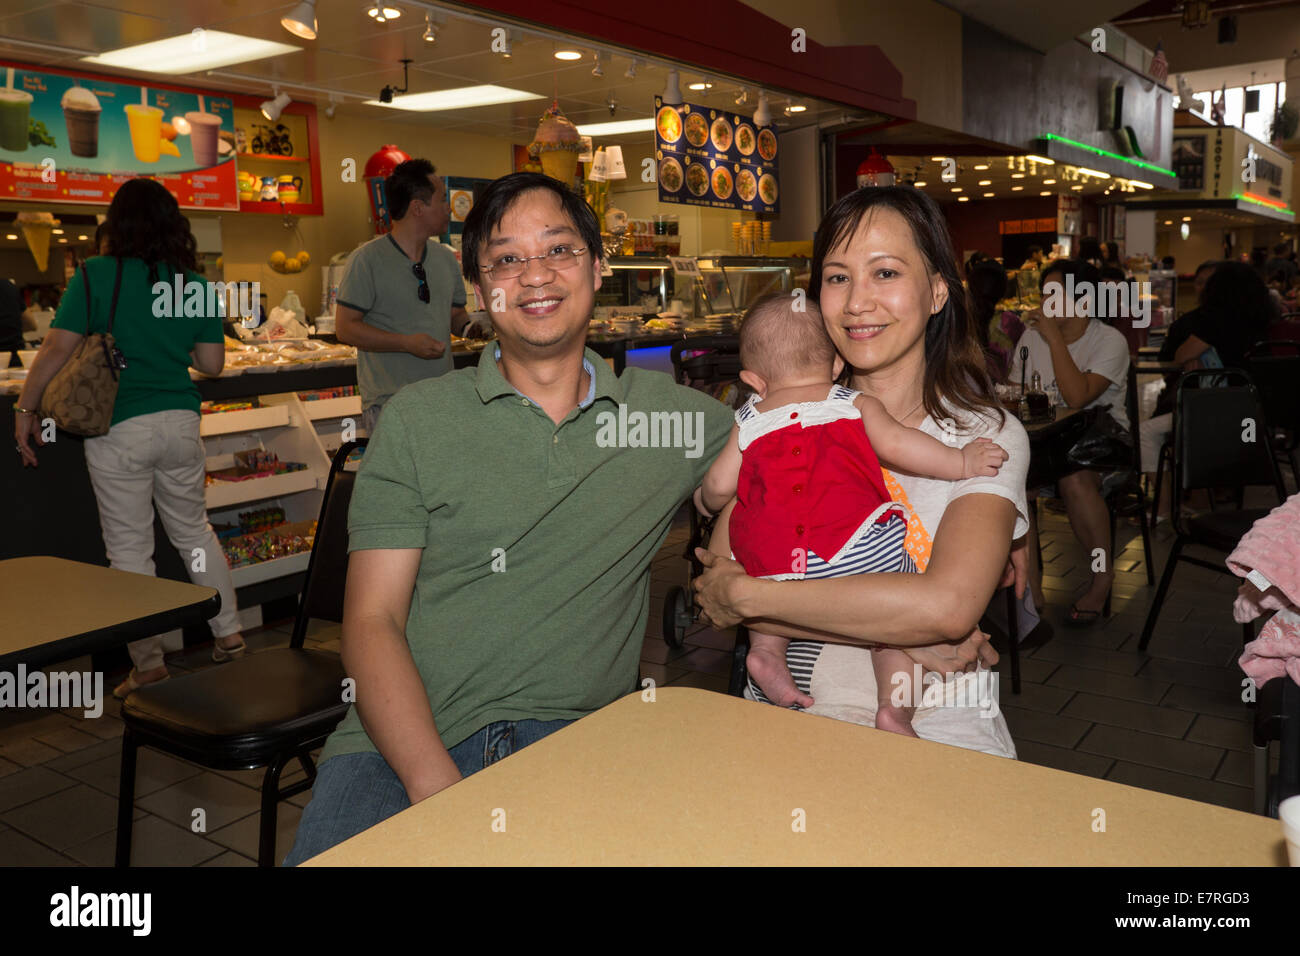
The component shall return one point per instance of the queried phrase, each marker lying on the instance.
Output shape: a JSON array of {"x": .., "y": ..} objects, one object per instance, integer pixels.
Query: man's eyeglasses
[
  {"x": 423, "y": 290},
  {"x": 512, "y": 266}
]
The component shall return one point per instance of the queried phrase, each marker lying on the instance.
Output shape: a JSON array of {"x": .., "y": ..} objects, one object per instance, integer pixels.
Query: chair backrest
[
  {"x": 327, "y": 569},
  {"x": 1131, "y": 403},
  {"x": 1220, "y": 434},
  {"x": 720, "y": 359},
  {"x": 1277, "y": 375}
]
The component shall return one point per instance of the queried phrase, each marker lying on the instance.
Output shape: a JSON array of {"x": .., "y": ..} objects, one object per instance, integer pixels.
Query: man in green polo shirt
[
  {"x": 502, "y": 527},
  {"x": 402, "y": 295}
]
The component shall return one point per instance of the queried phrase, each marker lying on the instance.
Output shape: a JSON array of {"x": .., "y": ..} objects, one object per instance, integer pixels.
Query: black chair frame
[
  {"x": 1208, "y": 381},
  {"x": 253, "y": 746}
]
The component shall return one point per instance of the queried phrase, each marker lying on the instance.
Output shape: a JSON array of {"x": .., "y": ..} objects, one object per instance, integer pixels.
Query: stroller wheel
[{"x": 676, "y": 617}]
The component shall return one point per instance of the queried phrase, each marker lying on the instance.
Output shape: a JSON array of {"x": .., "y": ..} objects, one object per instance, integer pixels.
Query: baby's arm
[
  {"x": 914, "y": 451},
  {"x": 720, "y": 482}
]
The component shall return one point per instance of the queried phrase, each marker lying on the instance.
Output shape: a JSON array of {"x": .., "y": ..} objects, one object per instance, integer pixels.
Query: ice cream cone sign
[
  {"x": 557, "y": 144},
  {"x": 37, "y": 227}
]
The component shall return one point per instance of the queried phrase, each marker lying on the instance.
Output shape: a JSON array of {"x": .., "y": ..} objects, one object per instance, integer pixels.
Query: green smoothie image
[{"x": 15, "y": 113}]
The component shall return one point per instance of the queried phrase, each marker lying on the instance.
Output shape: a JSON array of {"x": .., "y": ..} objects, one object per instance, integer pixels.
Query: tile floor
[{"x": 1169, "y": 720}]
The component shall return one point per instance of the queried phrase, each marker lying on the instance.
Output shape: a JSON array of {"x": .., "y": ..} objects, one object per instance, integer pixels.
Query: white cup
[{"x": 1288, "y": 811}]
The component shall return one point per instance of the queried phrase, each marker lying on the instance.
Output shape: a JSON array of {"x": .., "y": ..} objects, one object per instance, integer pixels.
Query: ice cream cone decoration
[
  {"x": 557, "y": 145},
  {"x": 37, "y": 227}
]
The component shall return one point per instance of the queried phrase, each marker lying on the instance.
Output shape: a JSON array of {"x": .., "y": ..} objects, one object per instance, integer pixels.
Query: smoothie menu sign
[
  {"x": 711, "y": 157},
  {"x": 75, "y": 139}
]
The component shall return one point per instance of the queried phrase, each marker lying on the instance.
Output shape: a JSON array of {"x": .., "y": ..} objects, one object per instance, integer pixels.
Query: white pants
[
  {"x": 1151, "y": 435},
  {"x": 158, "y": 459}
]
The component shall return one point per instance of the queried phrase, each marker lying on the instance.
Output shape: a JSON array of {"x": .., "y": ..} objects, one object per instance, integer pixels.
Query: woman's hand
[
  {"x": 27, "y": 429},
  {"x": 948, "y": 659},
  {"x": 717, "y": 589}
]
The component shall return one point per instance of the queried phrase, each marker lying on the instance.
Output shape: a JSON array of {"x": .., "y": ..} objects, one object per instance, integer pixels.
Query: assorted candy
[{"x": 320, "y": 394}]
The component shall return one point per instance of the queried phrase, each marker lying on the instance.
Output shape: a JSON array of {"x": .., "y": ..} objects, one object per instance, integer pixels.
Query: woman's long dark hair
[
  {"x": 1236, "y": 293},
  {"x": 955, "y": 373},
  {"x": 987, "y": 283},
  {"x": 144, "y": 221}
]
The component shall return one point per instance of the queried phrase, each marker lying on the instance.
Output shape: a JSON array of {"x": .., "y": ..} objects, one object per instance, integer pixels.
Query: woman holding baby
[{"x": 892, "y": 301}]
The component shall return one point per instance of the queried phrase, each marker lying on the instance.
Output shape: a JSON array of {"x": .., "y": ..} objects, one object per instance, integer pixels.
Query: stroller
[{"x": 710, "y": 363}]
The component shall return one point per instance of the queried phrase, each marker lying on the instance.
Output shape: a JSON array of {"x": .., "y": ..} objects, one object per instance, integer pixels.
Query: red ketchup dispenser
[{"x": 378, "y": 168}]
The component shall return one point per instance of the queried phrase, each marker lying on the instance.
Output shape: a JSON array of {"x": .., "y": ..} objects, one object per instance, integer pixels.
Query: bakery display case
[{"x": 731, "y": 284}]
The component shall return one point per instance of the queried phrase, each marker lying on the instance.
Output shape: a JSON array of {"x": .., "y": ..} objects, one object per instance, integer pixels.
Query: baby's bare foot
[
  {"x": 772, "y": 675},
  {"x": 896, "y": 720}
]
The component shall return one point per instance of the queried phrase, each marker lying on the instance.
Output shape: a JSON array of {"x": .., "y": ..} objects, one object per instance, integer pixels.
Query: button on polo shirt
[{"x": 532, "y": 593}]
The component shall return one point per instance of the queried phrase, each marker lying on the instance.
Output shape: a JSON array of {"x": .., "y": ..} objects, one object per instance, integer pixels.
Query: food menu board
[
  {"x": 67, "y": 138},
  {"x": 708, "y": 156}
]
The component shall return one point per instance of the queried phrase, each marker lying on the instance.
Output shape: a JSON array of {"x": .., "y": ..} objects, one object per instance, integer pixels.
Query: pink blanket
[{"x": 1271, "y": 548}]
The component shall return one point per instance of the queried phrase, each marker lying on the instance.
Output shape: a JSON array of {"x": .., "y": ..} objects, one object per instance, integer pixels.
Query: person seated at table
[
  {"x": 1232, "y": 315},
  {"x": 885, "y": 278},
  {"x": 502, "y": 529},
  {"x": 804, "y": 445},
  {"x": 998, "y": 329},
  {"x": 1086, "y": 362}
]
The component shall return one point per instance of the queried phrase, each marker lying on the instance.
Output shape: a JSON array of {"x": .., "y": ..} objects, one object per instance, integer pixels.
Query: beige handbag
[{"x": 81, "y": 395}]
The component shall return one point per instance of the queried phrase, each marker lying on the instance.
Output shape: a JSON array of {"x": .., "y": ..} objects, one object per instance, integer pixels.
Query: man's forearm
[
  {"x": 394, "y": 707},
  {"x": 362, "y": 335}
]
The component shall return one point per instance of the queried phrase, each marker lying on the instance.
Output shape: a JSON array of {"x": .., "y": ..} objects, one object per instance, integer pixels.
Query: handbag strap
[
  {"x": 85, "y": 279},
  {"x": 117, "y": 287}
]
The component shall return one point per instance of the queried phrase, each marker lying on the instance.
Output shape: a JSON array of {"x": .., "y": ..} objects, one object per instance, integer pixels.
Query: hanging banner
[
  {"x": 68, "y": 138},
  {"x": 712, "y": 157}
]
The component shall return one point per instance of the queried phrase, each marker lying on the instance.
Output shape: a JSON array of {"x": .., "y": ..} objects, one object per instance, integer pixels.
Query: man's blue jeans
[{"x": 353, "y": 792}]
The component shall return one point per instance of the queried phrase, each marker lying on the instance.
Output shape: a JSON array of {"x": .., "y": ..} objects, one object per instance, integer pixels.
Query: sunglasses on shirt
[{"x": 423, "y": 290}]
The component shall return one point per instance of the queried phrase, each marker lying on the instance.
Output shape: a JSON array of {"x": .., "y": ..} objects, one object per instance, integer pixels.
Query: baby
[{"x": 802, "y": 462}]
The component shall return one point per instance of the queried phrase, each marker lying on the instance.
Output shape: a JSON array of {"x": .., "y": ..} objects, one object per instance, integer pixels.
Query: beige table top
[
  {"x": 55, "y": 608},
  {"x": 701, "y": 778}
]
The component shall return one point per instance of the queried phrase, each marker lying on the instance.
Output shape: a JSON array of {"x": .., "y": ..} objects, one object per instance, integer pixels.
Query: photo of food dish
[
  {"x": 767, "y": 144},
  {"x": 745, "y": 139},
  {"x": 721, "y": 135},
  {"x": 746, "y": 185},
  {"x": 767, "y": 185},
  {"x": 669, "y": 124},
  {"x": 697, "y": 179},
  {"x": 722, "y": 182},
  {"x": 697, "y": 129},
  {"x": 670, "y": 174}
]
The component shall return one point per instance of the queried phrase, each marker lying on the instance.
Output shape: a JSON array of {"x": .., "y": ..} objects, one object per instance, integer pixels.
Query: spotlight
[
  {"x": 631, "y": 70},
  {"x": 430, "y": 33},
  {"x": 329, "y": 110},
  {"x": 382, "y": 12},
  {"x": 702, "y": 84},
  {"x": 762, "y": 115},
  {"x": 795, "y": 108},
  {"x": 301, "y": 21},
  {"x": 272, "y": 109},
  {"x": 672, "y": 95},
  {"x": 743, "y": 98},
  {"x": 568, "y": 54},
  {"x": 597, "y": 69}
]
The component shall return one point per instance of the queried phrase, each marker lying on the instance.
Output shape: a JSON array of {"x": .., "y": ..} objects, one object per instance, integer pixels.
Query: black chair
[
  {"x": 1209, "y": 410},
  {"x": 1125, "y": 498},
  {"x": 263, "y": 710},
  {"x": 1275, "y": 367},
  {"x": 1277, "y": 718}
]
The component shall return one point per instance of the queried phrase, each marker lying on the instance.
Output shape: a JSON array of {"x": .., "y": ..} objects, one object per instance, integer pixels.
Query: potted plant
[{"x": 1286, "y": 119}]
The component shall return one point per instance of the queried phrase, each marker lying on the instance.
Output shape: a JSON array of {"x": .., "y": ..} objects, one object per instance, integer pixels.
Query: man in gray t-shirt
[{"x": 402, "y": 295}]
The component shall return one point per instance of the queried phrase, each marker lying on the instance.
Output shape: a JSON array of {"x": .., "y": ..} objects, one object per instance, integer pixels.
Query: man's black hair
[
  {"x": 408, "y": 182},
  {"x": 491, "y": 206}
]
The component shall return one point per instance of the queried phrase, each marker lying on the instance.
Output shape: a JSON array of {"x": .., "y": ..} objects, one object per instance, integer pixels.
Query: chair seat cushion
[
  {"x": 249, "y": 707},
  {"x": 1223, "y": 529}
]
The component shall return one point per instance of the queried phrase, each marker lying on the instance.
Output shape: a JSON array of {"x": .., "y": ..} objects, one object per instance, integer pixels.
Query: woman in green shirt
[{"x": 152, "y": 454}]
